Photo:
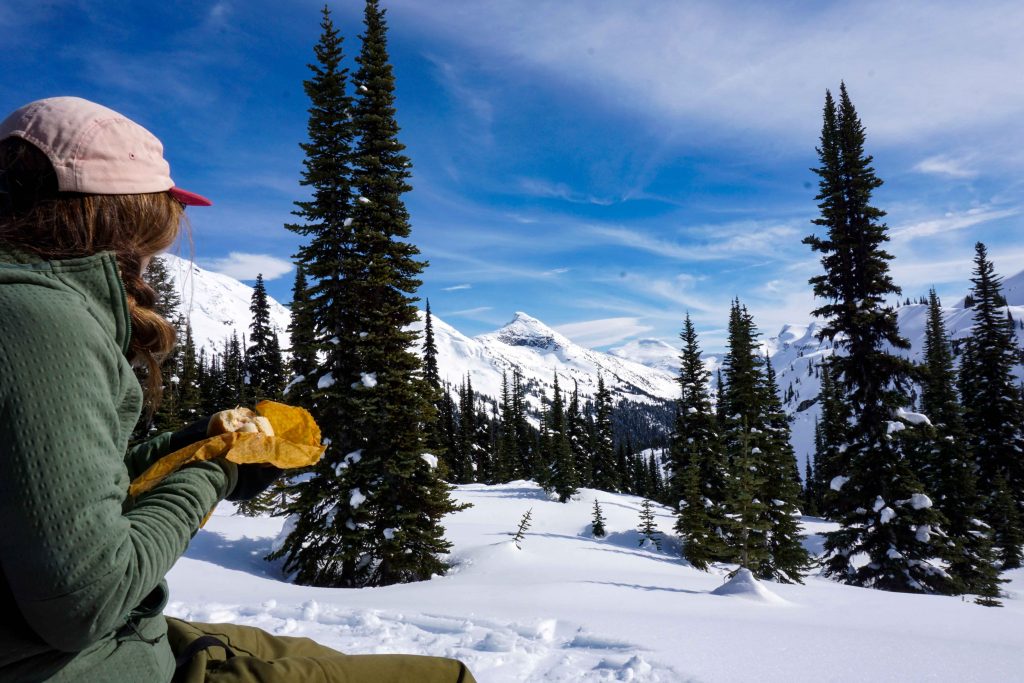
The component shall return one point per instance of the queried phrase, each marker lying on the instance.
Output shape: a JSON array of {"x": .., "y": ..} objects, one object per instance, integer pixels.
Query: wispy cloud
[
  {"x": 542, "y": 188},
  {"x": 243, "y": 266},
  {"x": 558, "y": 271},
  {"x": 945, "y": 166},
  {"x": 467, "y": 312},
  {"x": 950, "y": 222},
  {"x": 456, "y": 288},
  {"x": 743, "y": 66},
  {"x": 594, "y": 333}
]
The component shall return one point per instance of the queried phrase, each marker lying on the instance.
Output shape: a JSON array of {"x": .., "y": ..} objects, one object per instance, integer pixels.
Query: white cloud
[
  {"x": 467, "y": 312},
  {"x": 593, "y": 333},
  {"x": 950, "y": 222},
  {"x": 931, "y": 67},
  {"x": 945, "y": 166},
  {"x": 456, "y": 288},
  {"x": 242, "y": 266},
  {"x": 558, "y": 271},
  {"x": 543, "y": 188}
]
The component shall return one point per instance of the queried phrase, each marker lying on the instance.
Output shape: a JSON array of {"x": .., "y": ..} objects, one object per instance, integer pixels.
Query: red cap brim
[{"x": 189, "y": 198}]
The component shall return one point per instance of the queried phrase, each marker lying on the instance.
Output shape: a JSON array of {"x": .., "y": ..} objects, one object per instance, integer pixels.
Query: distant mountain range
[{"x": 642, "y": 371}]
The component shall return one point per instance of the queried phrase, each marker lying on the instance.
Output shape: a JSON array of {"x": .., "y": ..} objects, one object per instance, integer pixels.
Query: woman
[{"x": 86, "y": 200}]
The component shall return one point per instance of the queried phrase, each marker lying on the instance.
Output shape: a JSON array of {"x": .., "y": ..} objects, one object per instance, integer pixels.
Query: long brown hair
[{"x": 36, "y": 218}]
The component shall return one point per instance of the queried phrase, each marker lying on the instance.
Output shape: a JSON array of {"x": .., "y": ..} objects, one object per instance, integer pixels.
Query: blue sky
[{"x": 604, "y": 165}]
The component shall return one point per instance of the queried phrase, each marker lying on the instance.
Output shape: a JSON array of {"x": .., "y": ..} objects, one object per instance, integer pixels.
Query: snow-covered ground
[{"x": 568, "y": 607}]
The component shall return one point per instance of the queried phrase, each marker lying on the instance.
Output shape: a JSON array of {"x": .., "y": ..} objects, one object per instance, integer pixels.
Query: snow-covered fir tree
[
  {"x": 649, "y": 534},
  {"x": 562, "y": 478},
  {"x": 882, "y": 507},
  {"x": 993, "y": 411},
  {"x": 604, "y": 475},
  {"x": 265, "y": 366},
  {"x": 597, "y": 522},
  {"x": 788, "y": 558},
  {"x": 579, "y": 438},
  {"x": 949, "y": 467},
  {"x": 370, "y": 514},
  {"x": 697, "y": 477}
]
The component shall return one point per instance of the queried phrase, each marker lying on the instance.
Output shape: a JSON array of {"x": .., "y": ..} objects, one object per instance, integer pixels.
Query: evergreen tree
[
  {"x": 745, "y": 439},
  {"x": 649, "y": 534},
  {"x": 190, "y": 380},
  {"x": 993, "y": 412},
  {"x": 406, "y": 499},
  {"x": 604, "y": 475},
  {"x": 597, "y": 521},
  {"x": 524, "y": 438},
  {"x": 430, "y": 371},
  {"x": 579, "y": 441},
  {"x": 882, "y": 508},
  {"x": 370, "y": 514},
  {"x": 460, "y": 461},
  {"x": 830, "y": 443},
  {"x": 810, "y": 499},
  {"x": 949, "y": 468},
  {"x": 507, "y": 465},
  {"x": 562, "y": 479},
  {"x": 303, "y": 335},
  {"x": 697, "y": 477},
  {"x": 266, "y": 366},
  {"x": 788, "y": 560}
]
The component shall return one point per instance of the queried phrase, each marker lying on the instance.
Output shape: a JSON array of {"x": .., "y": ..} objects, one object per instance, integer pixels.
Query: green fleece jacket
[{"x": 81, "y": 566}]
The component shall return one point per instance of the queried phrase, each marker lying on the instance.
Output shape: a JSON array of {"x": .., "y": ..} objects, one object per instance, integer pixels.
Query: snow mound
[{"x": 744, "y": 585}]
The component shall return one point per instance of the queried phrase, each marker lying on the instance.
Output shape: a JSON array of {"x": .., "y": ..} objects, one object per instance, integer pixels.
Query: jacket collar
[{"x": 96, "y": 278}]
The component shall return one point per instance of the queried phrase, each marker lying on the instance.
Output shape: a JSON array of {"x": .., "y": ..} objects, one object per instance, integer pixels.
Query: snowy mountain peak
[{"x": 525, "y": 330}]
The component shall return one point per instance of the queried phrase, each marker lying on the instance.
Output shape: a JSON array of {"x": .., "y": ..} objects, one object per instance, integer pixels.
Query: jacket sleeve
[
  {"x": 76, "y": 562},
  {"x": 140, "y": 456}
]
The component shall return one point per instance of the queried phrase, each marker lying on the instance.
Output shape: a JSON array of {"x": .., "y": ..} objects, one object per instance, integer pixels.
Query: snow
[
  {"x": 430, "y": 459},
  {"x": 326, "y": 381},
  {"x": 837, "y": 483},
  {"x": 894, "y": 427},
  {"x": 744, "y": 585},
  {"x": 356, "y": 498},
  {"x": 919, "y": 501},
  {"x": 368, "y": 379},
  {"x": 569, "y": 607},
  {"x": 886, "y": 515},
  {"x": 913, "y": 418},
  {"x": 218, "y": 305},
  {"x": 364, "y": 200}
]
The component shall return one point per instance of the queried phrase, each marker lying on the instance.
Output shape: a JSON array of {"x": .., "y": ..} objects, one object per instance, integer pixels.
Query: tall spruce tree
[
  {"x": 405, "y": 498},
  {"x": 266, "y": 365},
  {"x": 506, "y": 462},
  {"x": 370, "y": 514},
  {"x": 579, "y": 440},
  {"x": 302, "y": 333},
  {"x": 950, "y": 468},
  {"x": 562, "y": 480},
  {"x": 460, "y": 462},
  {"x": 697, "y": 476},
  {"x": 883, "y": 510},
  {"x": 750, "y": 444},
  {"x": 788, "y": 560},
  {"x": 993, "y": 412},
  {"x": 604, "y": 474}
]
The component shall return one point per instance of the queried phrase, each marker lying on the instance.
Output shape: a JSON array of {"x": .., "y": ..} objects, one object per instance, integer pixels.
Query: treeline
[{"x": 573, "y": 444}]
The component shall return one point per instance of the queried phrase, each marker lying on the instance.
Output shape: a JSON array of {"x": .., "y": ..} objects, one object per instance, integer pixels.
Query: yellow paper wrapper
[{"x": 296, "y": 443}]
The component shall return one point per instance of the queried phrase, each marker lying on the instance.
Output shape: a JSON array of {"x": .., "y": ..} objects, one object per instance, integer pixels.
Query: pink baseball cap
[{"x": 95, "y": 150}]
